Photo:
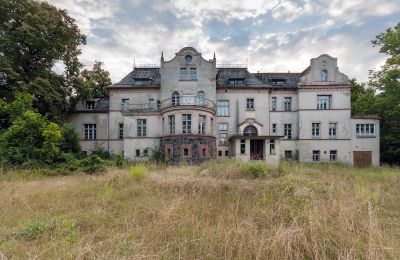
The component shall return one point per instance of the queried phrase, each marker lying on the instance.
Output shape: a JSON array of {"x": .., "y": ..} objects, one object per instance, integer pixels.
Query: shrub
[
  {"x": 138, "y": 172},
  {"x": 156, "y": 156},
  {"x": 32, "y": 231},
  {"x": 255, "y": 170},
  {"x": 103, "y": 154},
  {"x": 119, "y": 161},
  {"x": 50, "y": 150},
  {"x": 92, "y": 164}
]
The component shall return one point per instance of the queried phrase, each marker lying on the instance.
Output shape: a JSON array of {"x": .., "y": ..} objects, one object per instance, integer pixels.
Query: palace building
[{"x": 192, "y": 110}]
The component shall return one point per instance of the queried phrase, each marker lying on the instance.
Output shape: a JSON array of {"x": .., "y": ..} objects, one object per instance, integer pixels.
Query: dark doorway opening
[{"x": 256, "y": 149}]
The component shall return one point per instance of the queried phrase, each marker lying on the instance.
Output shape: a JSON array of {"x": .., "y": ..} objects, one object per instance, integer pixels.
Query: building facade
[{"x": 192, "y": 110}]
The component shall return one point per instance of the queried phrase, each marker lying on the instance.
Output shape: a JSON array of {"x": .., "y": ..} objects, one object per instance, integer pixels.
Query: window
[
  {"x": 142, "y": 82},
  {"x": 324, "y": 75},
  {"x": 219, "y": 153},
  {"x": 188, "y": 58},
  {"x": 250, "y": 104},
  {"x": 204, "y": 152},
  {"x": 202, "y": 124},
  {"x": 332, "y": 155},
  {"x": 125, "y": 100},
  {"x": 186, "y": 123},
  {"x": 137, "y": 153},
  {"x": 89, "y": 105},
  {"x": 152, "y": 104},
  {"x": 171, "y": 124},
  {"x": 193, "y": 75},
  {"x": 250, "y": 131},
  {"x": 288, "y": 154},
  {"x": 90, "y": 131},
  {"x": 188, "y": 99},
  {"x": 242, "y": 146},
  {"x": 272, "y": 147},
  {"x": 365, "y": 130},
  {"x": 332, "y": 130},
  {"x": 223, "y": 108},
  {"x": 287, "y": 131},
  {"x": 315, "y": 130},
  {"x": 145, "y": 152},
  {"x": 175, "y": 98},
  {"x": 273, "y": 104},
  {"x": 315, "y": 155},
  {"x": 236, "y": 81},
  {"x": 121, "y": 131},
  {"x": 141, "y": 127},
  {"x": 226, "y": 153},
  {"x": 274, "y": 128},
  {"x": 323, "y": 102},
  {"x": 200, "y": 98},
  {"x": 223, "y": 133},
  {"x": 288, "y": 104},
  {"x": 183, "y": 74},
  {"x": 186, "y": 151},
  {"x": 278, "y": 81}
]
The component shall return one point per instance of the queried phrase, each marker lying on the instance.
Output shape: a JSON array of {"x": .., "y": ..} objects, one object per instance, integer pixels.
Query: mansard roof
[
  {"x": 100, "y": 105},
  {"x": 140, "y": 77},
  {"x": 279, "y": 79}
]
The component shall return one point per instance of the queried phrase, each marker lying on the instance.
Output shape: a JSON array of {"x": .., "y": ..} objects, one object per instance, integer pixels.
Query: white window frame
[
  {"x": 273, "y": 104},
  {"x": 223, "y": 108},
  {"x": 186, "y": 123},
  {"x": 332, "y": 155},
  {"x": 288, "y": 104},
  {"x": 171, "y": 124},
  {"x": 141, "y": 127},
  {"x": 223, "y": 133},
  {"x": 287, "y": 131},
  {"x": 202, "y": 124},
  {"x": 332, "y": 130},
  {"x": 316, "y": 130},
  {"x": 324, "y": 102},
  {"x": 365, "y": 130},
  {"x": 316, "y": 155},
  {"x": 90, "y": 131},
  {"x": 250, "y": 104}
]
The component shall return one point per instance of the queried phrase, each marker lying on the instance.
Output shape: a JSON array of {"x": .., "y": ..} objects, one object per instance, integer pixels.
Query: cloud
[{"x": 261, "y": 33}]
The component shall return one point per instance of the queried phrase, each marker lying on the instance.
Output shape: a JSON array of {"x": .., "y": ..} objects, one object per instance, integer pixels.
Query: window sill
[
  {"x": 223, "y": 116},
  {"x": 250, "y": 109},
  {"x": 365, "y": 136},
  {"x": 188, "y": 80}
]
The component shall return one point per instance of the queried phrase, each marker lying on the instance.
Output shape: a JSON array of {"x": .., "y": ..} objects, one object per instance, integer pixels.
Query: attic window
[
  {"x": 278, "y": 81},
  {"x": 89, "y": 105},
  {"x": 324, "y": 75},
  {"x": 142, "y": 82},
  {"x": 236, "y": 81}
]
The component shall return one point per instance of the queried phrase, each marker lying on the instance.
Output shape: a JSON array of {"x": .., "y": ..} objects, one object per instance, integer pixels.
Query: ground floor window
[
  {"x": 226, "y": 153},
  {"x": 137, "y": 153},
  {"x": 272, "y": 147},
  {"x": 316, "y": 155},
  {"x": 242, "y": 146},
  {"x": 332, "y": 155},
  {"x": 219, "y": 153},
  {"x": 121, "y": 131},
  {"x": 288, "y": 154},
  {"x": 145, "y": 152}
]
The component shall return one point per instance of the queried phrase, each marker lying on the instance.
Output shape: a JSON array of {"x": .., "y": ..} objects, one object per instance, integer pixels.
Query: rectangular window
[
  {"x": 273, "y": 104},
  {"x": 90, "y": 131},
  {"x": 332, "y": 130},
  {"x": 193, "y": 74},
  {"x": 121, "y": 131},
  {"x": 287, "y": 131},
  {"x": 183, "y": 74},
  {"x": 288, "y": 104},
  {"x": 186, "y": 151},
  {"x": 145, "y": 152},
  {"x": 186, "y": 123},
  {"x": 274, "y": 128},
  {"x": 272, "y": 147},
  {"x": 171, "y": 124},
  {"x": 365, "y": 130},
  {"x": 137, "y": 153},
  {"x": 250, "y": 104},
  {"x": 288, "y": 154},
  {"x": 125, "y": 103},
  {"x": 219, "y": 153},
  {"x": 223, "y": 133},
  {"x": 152, "y": 104},
  {"x": 89, "y": 105},
  {"x": 223, "y": 108},
  {"x": 315, "y": 155},
  {"x": 315, "y": 130},
  {"x": 141, "y": 127},
  {"x": 202, "y": 124},
  {"x": 332, "y": 155},
  {"x": 323, "y": 102},
  {"x": 242, "y": 146}
]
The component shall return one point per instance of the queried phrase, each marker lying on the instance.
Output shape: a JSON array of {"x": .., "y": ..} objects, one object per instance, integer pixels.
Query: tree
[
  {"x": 51, "y": 144},
  {"x": 95, "y": 81},
  {"x": 34, "y": 36},
  {"x": 387, "y": 83}
]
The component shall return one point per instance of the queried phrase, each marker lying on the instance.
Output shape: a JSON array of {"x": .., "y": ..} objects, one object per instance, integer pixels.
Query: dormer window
[
  {"x": 188, "y": 58},
  {"x": 89, "y": 105},
  {"x": 142, "y": 82},
  {"x": 278, "y": 81},
  {"x": 236, "y": 81},
  {"x": 324, "y": 75}
]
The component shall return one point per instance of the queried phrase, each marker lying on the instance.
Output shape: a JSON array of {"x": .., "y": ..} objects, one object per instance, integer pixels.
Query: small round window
[{"x": 188, "y": 58}]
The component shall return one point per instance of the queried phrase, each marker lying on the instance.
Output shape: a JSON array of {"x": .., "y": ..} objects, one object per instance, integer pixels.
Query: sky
[{"x": 267, "y": 35}]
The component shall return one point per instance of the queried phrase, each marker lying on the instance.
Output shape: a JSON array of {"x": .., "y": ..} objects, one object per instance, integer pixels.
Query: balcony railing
[
  {"x": 188, "y": 101},
  {"x": 185, "y": 101}
]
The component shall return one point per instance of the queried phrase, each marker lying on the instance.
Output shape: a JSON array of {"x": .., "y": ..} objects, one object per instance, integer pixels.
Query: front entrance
[
  {"x": 256, "y": 149},
  {"x": 362, "y": 159}
]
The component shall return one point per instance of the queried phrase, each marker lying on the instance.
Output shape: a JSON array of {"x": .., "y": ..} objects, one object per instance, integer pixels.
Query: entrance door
[
  {"x": 362, "y": 159},
  {"x": 256, "y": 149}
]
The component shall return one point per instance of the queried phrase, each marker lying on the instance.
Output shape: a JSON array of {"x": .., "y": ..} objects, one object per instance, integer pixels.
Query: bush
[
  {"x": 103, "y": 154},
  {"x": 138, "y": 172},
  {"x": 119, "y": 161},
  {"x": 255, "y": 170},
  {"x": 92, "y": 164},
  {"x": 32, "y": 231}
]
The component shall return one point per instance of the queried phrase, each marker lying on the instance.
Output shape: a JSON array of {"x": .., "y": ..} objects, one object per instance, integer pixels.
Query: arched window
[
  {"x": 175, "y": 98},
  {"x": 250, "y": 131},
  {"x": 324, "y": 75},
  {"x": 200, "y": 98}
]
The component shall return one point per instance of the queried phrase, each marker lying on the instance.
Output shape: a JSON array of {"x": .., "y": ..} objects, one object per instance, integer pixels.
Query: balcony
[
  {"x": 188, "y": 102},
  {"x": 133, "y": 109}
]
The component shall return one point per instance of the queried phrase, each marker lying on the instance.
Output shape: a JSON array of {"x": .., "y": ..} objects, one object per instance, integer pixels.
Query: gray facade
[{"x": 193, "y": 110}]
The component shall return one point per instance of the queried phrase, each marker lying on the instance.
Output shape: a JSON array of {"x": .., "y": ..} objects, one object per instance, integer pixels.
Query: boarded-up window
[{"x": 362, "y": 159}]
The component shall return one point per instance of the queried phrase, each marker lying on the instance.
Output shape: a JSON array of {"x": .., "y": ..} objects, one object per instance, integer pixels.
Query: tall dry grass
[{"x": 212, "y": 211}]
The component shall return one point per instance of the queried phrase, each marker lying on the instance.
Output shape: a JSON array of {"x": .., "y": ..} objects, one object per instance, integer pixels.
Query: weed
[
  {"x": 138, "y": 172},
  {"x": 32, "y": 231}
]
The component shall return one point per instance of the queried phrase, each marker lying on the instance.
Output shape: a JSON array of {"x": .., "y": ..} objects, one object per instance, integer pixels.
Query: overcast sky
[{"x": 265, "y": 34}]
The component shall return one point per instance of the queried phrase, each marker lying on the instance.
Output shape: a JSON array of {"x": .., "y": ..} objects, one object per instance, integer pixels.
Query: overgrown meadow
[{"x": 216, "y": 210}]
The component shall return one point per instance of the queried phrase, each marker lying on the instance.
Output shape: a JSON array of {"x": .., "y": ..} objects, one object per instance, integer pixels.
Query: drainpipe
[{"x": 108, "y": 128}]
